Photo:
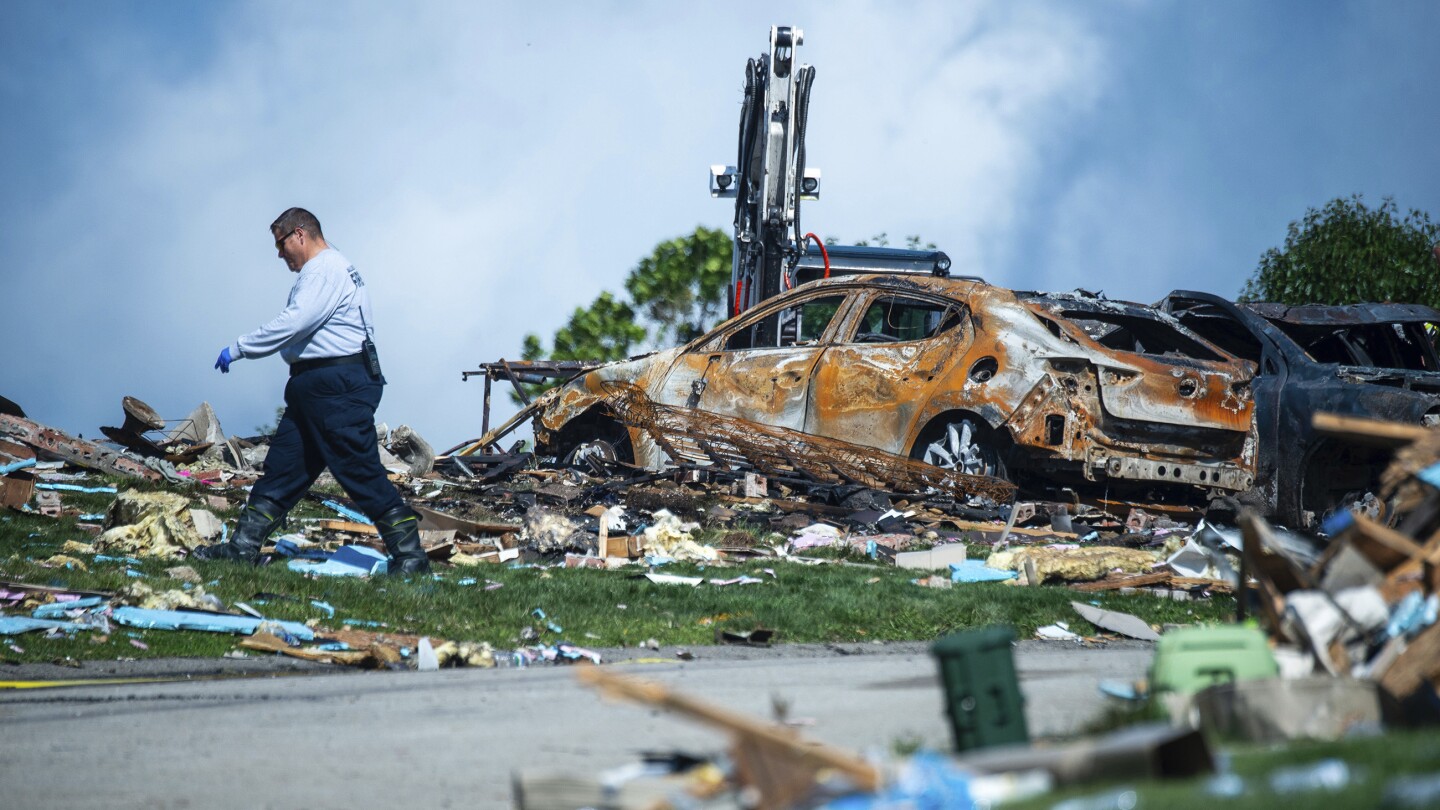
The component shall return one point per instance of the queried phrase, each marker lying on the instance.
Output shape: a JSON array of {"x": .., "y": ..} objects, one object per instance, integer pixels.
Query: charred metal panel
[
  {"x": 769, "y": 386},
  {"x": 1299, "y": 473},
  {"x": 1061, "y": 397},
  {"x": 873, "y": 392},
  {"x": 1223, "y": 476},
  {"x": 1157, "y": 393},
  {"x": 1343, "y": 314}
]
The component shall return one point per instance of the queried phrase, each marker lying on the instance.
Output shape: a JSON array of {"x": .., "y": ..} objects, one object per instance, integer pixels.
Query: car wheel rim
[
  {"x": 958, "y": 449},
  {"x": 596, "y": 449}
]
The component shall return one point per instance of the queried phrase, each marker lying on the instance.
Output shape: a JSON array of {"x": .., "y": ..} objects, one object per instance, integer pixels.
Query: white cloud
[
  {"x": 1125, "y": 231},
  {"x": 489, "y": 169}
]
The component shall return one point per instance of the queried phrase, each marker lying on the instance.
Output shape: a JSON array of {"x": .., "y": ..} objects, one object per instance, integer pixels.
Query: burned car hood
[{"x": 587, "y": 389}]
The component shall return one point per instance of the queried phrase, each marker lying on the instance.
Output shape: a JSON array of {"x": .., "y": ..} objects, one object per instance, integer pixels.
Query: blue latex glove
[{"x": 224, "y": 361}]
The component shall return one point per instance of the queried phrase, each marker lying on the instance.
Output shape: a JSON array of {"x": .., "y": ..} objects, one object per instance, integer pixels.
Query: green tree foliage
[
  {"x": 605, "y": 330},
  {"x": 1347, "y": 253},
  {"x": 681, "y": 285},
  {"x": 882, "y": 239}
]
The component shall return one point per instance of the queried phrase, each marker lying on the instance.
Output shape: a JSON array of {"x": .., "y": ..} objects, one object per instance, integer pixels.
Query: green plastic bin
[
  {"x": 1193, "y": 658},
  {"x": 982, "y": 693}
]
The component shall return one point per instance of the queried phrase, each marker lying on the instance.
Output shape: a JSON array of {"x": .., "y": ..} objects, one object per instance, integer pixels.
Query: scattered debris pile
[
  {"x": 771, "y": 765},
  {"x": 1362, "y": 605},
  {"x": 763, "y": 493}
]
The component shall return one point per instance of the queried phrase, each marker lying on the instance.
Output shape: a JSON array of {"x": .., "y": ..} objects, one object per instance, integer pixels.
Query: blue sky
[{"x": 488, "y": 169}]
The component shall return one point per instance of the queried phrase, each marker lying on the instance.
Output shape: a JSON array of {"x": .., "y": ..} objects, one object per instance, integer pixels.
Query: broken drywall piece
[
  {"x": 1059, "y": 631},
  {"x": 816, "y": 534},
  {"x": 425, "y": 659},
  {"x": 1190, "y": 561},
  {"x": 1116, "y": 622},
  {"x": 202, "y": 426},
  {"x": 1323, "y": 618},
  {"x": 206, "y": 524},
  {"x": 938, "y": 558},
  {"x": 673, "y": 579}
]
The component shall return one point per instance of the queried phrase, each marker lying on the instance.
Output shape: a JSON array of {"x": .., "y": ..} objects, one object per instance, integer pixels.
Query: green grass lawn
[
  {"x": 803, "y": 603},
  {"x": 1370, "y": 765}
]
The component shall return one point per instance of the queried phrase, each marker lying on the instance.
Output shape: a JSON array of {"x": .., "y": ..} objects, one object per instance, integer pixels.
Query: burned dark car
[
  {"x": 1043, "y": 389},
  {"x": 1370, "y": 360}
]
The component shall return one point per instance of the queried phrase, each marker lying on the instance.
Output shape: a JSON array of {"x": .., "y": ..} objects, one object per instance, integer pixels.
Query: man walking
[{"x": 330, "y": 401}]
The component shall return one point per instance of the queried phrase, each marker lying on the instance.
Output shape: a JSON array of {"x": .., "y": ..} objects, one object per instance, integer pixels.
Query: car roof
[
  {"x": 1343, "y": 314},
  {"x": 915, "y": 282}
]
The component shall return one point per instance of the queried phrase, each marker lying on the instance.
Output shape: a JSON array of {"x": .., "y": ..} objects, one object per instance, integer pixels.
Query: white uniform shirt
[{"x": 323, "y": 317}]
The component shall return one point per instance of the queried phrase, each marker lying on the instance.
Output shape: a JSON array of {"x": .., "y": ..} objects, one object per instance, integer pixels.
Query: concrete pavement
[{"x": 452, "y": 738}]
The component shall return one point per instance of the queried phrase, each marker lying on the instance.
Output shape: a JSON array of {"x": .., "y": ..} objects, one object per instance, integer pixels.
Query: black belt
[{"x": 301, "y": 366}]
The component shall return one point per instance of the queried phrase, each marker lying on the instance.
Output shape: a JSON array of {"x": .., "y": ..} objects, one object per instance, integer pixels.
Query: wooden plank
[
  {"x": 348, "y": 526},
  {"x": 1132, "y": 581},
  {"x": 1415, "y": 666},
  {"x": 970, "y": 525},
  {"x": 1368, "y": 430},
  {"x": 1271, "y": 602},
  {"x": 435, "y": 519},
  {"x": 1401, "y": 581},
  {"x": 29, "y": 586},
  {"x": 1216, "y": 585},
  {"x": 757, "y": 743},
  {"x": 1382, "y": 545},
  {"x": 16, "y": 489},
  {"x": 791, "y": 506}
]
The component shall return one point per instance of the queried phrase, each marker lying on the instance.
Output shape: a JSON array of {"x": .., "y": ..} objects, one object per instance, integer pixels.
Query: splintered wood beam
[
  {"x": 1382, "y": 545},
  {"x": 1414, "y": 668},
  {"x": 1272, "y": 603},
  {"x": 52, "y": 443}
]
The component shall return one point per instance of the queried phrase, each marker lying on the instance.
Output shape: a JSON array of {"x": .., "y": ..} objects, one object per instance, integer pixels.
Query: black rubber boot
[
  {"x": 400, "y": 528},
  {"x": 258, "y": 519}
]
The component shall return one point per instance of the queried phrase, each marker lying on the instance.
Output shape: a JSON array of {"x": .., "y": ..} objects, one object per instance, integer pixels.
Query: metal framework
[{"x": 687, "y": 434}]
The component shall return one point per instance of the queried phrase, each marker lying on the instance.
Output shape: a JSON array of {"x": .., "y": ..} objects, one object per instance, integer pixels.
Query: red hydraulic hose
[{"x": 824, "y": 254}]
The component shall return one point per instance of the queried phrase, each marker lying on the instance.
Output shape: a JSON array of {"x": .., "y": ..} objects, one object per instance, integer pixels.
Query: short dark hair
[{"x": 297, "y": 218}]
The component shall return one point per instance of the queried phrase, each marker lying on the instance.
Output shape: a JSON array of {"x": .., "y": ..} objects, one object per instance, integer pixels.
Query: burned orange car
[{"x": 1042, "y": 389}]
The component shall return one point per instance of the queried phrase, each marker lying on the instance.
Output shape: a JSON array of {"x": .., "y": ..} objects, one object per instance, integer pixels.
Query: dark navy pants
[{"x": 329, "y": 421}]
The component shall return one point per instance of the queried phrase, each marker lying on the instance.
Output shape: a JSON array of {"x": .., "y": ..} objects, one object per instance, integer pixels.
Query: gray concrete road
[{"x": 452, "y": 738}]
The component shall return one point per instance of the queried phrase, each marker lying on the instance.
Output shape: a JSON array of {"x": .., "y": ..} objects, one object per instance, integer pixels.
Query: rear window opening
[
  {"x": 1130, "y": 333},
  {"x": 1221, "y": 329}
]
